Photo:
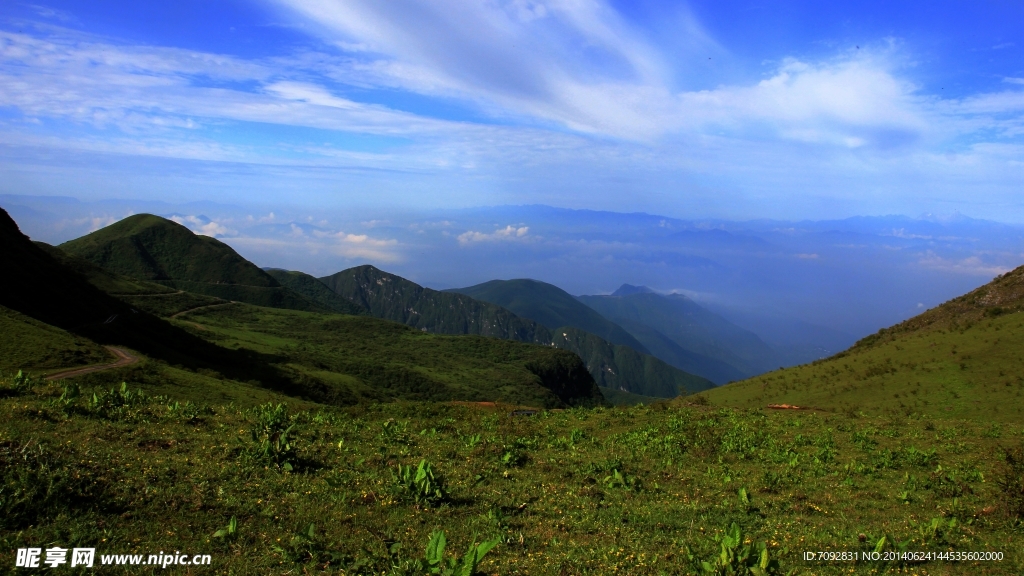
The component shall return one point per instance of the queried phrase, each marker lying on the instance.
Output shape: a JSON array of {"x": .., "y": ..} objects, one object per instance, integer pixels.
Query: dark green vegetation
[
  {"x": 363, "y": 490},
  {"x": 612, "y": 365},
  {"x": 343, "y": 359},
  {"x": 685, "y": 334},
  {"x": 147, "y": 247},
  {"x": 394, "y": 298},
  {"x": 31, "y": 344},
  {"x": 960, "y": 360},
  {"x": 315, "y": 290},
  {"x": 550, "y": 306}
]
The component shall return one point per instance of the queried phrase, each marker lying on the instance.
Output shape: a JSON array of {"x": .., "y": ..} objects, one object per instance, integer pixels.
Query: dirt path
[
  {"x": 124, "y": 358},
  {"x": 150, "y": 295},
  {"x": 175, "y": 315}
]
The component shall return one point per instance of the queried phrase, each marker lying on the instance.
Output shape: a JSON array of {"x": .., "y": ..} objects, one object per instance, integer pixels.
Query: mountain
[
  {"x": 55, "y": 316},
  {"x": 613, "y": 366},
  {"x": 629, "y": 289},
  {"x": 314, "y": 290},
  {"x": 666, "y": 349},
  {"x": 47, "y": 292},
  {"x": 395, "y": 298},
  {"x": 960, "y": 359},
  {"x": 712, "y": 346},
  {"x": 152, "y": 248},
  {"x": 623, "y": 368},
  {"x": 551, "y": 306}
]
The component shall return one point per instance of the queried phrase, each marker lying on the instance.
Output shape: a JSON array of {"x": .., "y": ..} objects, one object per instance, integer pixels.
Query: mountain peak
[{"x": 628, "y": 289}]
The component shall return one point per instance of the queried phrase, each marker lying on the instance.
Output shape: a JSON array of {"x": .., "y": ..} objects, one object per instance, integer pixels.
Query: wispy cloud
[
  {"x": 561, "y": 102},
  {"x": 972, "y": 265},
  {"x": 508, "y": 233},
  {"x": 204, "y": 226}
]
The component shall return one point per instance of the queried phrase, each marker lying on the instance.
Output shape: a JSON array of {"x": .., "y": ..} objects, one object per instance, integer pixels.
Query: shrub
[
  {"x": 424, "y": 486},
  {"x": 434, "y": 561},
  {"x": 271, "y": 441},
  {"x": 735, "y": 558},
  {"x": 1012, "y": 482}
]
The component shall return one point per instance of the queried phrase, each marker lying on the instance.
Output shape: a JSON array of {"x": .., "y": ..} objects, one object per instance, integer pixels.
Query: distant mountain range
[
  {"x": 671, "y": 327},
  {"x": 550, "y": 306},
  {"x": 365, "y": 335},
  {"x": 685, "y": 334},
  {"x": 615, "y": 366}
]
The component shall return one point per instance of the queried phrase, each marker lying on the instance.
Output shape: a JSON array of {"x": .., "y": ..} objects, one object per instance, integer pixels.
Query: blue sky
[{"x": 739, "y": 110}]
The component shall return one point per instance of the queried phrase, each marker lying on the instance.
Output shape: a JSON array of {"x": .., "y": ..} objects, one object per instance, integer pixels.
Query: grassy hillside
[
  {"x": 551, "y": 306},
  {"x": 51, "y": 293},
  {"x": 395, "y": 298},
  {"x": 109, "y": 282},
  {"x": 640, "y": 491},
  {"x": 620, "y": 398},
  {"x": 959, "y": 360},
  {"x": 315, "y": 290},
  {"x": 32, "y": 345},
  {"x": 622, "y": 368},
  {"x": 147, "y": 247},
  {"x": 710, "y": 339},
  {"x": 144, "y": 295},
  {"x": 343, "y": 359}
]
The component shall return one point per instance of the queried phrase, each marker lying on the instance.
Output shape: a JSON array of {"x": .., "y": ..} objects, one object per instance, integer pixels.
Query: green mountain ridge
[
  {"x": 714, "y": 344},
  {"x": 551, "y": 307},
  {"x": 666, "y": 349},
  {"x": 613, "y": 366},
  {"x": 151, "y": 248},
  {"x": 315, "y": 290}
]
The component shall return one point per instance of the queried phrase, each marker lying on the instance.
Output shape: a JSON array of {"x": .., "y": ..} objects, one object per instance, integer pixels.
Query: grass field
[
  {"x": 357, "y": 358},
  {"x": 33, "y": 345},
  {"x": 640, "y": 490}
]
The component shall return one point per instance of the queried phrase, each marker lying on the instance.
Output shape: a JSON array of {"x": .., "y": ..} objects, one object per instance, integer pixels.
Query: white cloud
[
  {"x": 507, "y": 233},
  {"x": 973, "y": 265},
  {"x": 203, "y": 225},
  {"x": 335, "y": 243}
]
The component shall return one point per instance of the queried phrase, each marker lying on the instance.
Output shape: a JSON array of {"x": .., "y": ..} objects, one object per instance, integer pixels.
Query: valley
[{"x": 337, "y": 424}]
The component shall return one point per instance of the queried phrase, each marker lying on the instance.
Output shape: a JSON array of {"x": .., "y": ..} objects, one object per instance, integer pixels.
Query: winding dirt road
[
  {"x": 124, "y": 358},
  {"x": 183, "y": 312}
]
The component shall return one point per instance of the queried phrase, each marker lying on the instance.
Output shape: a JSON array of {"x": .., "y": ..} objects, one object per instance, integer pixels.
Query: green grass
[
  {"x": 975, "y": 372},
  {"x": 958, "y": 360},
  {"x": 32, "y": 345},
  {"x": 621, "y": 398},
  {"x": 377, "y": 360},
  {"x": 199, "y": 386},
  {"x": 582, "y": 491},
  {"x": 169, "y": 304}
]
